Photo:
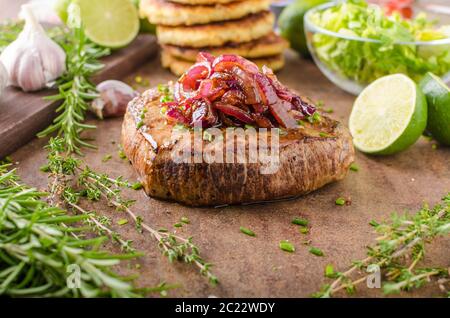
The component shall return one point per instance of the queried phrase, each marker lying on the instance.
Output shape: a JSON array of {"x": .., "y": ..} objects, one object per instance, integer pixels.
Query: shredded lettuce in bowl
[{"x": 365, "y": 61}]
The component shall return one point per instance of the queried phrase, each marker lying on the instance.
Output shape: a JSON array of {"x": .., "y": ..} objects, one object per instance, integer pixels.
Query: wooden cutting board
[{"x": 23, "y": 115}]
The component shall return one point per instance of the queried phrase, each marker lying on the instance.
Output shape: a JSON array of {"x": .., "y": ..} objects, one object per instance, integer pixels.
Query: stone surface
[{"x": 255, "y": 266}]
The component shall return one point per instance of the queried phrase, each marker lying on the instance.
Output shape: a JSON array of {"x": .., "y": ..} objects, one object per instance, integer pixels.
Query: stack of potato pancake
[{"x": 187, "y": 27}]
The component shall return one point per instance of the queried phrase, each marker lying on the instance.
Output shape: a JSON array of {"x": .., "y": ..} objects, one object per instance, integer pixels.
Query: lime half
[
  {"x": 388, "y": 116},
  {"x": 438, "y": 98},
  {"x": 110, "y": 23}
]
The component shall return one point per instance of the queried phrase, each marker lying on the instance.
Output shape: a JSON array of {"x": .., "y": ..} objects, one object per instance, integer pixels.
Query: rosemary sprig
[
  {"x": 37, "y": 249},
  {"x": 398, "y": 251},
  {"x": 75, "y": 90}
]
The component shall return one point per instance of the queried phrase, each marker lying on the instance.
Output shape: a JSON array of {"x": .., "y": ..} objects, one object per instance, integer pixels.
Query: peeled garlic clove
[
  {"x": 33, "y": 59},
  {"x": 113, "y": 100},
  {"x": 3, "y": 78}
]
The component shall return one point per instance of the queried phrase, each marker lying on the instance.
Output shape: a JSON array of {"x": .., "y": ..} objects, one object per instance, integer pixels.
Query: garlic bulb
[
  {"x": 3, "y": 78},
  {"x": 33, "y": 59}
]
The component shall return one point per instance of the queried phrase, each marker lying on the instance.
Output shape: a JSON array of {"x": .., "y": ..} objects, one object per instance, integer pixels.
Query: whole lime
[
  {"x": 438, "y": 97},
  {"x": 291, "y": 24}
]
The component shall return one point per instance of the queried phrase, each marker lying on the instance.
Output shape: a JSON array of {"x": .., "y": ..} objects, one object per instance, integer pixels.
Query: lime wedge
[
  {"x": 388, "y": 116},
  {"x": 438, "y": 98},
  {"x": 110, "y": 23}
]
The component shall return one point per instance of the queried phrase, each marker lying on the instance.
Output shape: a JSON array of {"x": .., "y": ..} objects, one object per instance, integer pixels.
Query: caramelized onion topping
[{"x": 229, "y": 90}]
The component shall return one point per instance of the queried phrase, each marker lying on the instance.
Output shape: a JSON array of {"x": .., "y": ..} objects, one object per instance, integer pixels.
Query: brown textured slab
[
  {"x": 22, "y": 115},
  {"x": 255, "y": 266}
]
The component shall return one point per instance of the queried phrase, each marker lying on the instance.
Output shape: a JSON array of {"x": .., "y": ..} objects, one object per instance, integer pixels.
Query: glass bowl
[{"x": 352, "y": 62}]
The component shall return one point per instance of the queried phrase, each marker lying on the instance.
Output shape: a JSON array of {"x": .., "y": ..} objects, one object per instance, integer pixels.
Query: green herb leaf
[
  {"x": 299, "y": 221},
  {"x": 329, "y": 271},
  {"x": 137, "y": 186},
  {"x": 340, "y": 201},
  {"x": 122, "y": 221},
  {"x": 247, "y": 231},
  {"x": 185, "y": 220},
  {"x": 106, "y": 158},
  {"x": 316, "y": 251},
  {"x": 303, "y": 230},
  {"x": 354, "y": 167}
]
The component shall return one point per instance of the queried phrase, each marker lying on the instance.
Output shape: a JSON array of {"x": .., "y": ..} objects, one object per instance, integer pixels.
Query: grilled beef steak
[{"x": 163, "y": 137}]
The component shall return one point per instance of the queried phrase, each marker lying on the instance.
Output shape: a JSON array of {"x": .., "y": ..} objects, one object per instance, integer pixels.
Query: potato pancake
[
  {"x": 178, "y": 66},
  {"x": 174, "y": 14},
  {"x": 269, "y": 45},
  {"x": 246, "y": 29}
]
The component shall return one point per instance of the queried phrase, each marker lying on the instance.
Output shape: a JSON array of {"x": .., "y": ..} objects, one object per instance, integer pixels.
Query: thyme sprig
[
  {"x": 61, "y": 171},
  {"x": 97, "y": 186},
  {"x": 397, "y": 252},
  {"x": 75, "y": 90},
  {"x": 37, "y": 249},
  {"x": 173, "y": 246}
]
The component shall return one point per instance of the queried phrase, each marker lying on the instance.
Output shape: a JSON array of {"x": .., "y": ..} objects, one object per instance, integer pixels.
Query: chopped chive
[
  {"x": 247, "y": 126},
  {"x": 354, "y": 167},
  {"x": 329, "y": 110},
  {"x": 320, "y": 103},
  {"x": 325, "y": 135},
  {"x": 163, "y": 230},
  {"x": 140, "y": 124},
  {"x": 122, "y": 221},
  {"x": 247, "y": 231},
  {"x": 300, "y": 122},
  {"x": 340, "y": 201},
  {"x": 178, "y": 225},
  {"x": 374, "y": 223},
  {"x": 303, "y": 230},
  {"x": 314, "y": 118},
  {"x": 185, "y": 220},
  {"x": 162, "y": 88},
  {"x": 287, "y": 246},
  {"x": 106, "y": 158},
  {"x": 298, "y": 221},
  {"x": 329, "y": 271},
  {"x": 137, "y": 186},
  {"x": 122, "y": 154},
  {"x": 316, "y": 251}
]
